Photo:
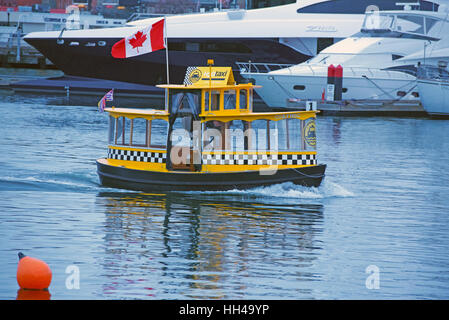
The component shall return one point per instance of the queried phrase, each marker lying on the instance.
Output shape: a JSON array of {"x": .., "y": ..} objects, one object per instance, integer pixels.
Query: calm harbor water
[{"x": 383, "y": 203}]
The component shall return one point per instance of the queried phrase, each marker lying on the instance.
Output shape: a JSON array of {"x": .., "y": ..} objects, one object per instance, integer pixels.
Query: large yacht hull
[{"x": 86, "y": 58}]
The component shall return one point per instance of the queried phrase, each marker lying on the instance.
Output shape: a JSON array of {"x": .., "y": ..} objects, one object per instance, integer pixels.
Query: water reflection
[
  {"x": 200, "y": 246},
  {"x": 24, "y": 294}
]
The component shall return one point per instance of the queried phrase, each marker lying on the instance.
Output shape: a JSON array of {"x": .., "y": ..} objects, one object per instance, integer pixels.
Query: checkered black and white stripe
[
  {"x": 260, "y": 159},
  {"x": 187, "y": 76},
  {"x": 142, "y": 156}
]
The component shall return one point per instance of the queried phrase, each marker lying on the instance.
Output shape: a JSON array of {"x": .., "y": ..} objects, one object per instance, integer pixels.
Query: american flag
[{"x": 107, "y": 97}]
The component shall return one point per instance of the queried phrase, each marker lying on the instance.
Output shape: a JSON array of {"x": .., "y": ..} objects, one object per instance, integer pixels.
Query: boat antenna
[
  {"x": 166, "y": 48},
  {"x": 210, "y": 63}
]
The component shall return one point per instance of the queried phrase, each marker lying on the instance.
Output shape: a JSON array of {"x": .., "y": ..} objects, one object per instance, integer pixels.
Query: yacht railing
[
  {"x": 433, "y": 73},
  {"x": 260, "y": 67}
]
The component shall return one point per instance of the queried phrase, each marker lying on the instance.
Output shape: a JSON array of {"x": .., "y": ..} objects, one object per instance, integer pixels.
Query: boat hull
[
  {"x": 435, "y": 96},
  {"x": 124, "y": 178},
  {"x": 276, "y": 90},
  {"x": 96, "y": 62}
]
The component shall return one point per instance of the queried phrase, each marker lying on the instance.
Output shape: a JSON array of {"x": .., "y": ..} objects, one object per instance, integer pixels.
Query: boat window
[
  {"x": 291, "y": 135},
  {"x": 233, "y": 140},
  {"x": 213, "y": 136},
  {"x": 122, "y": 127},
  {"x": 410, "y": 24},
  {"x": 258, "y": 135},
  {"x": 139, "y": 132},
  {"x": 377, "y": 22},
  {"x": 180, "y": 134},
  {"x": 229, "y": 99},
  {"x": 280, "y": 128},
  {"x": 239, "y": 136},
  {"x": 243, "y": 99},
  {"x": 299, "y": 87},
  {"x": 158, "y": 133},
  {"x": 185, "y": 101},
  {"x": 111, "y": 132},
  {"x": 192, "y": 46},
  {"x": 215, "y": 100},
  {"x": 323, "y": 43},
  {"x": 430, "y": 23},
  {"x": 294, "y": 135}
]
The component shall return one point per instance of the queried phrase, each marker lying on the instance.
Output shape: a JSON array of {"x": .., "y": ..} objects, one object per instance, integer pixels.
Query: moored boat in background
[{"x": 433, "y": 84}]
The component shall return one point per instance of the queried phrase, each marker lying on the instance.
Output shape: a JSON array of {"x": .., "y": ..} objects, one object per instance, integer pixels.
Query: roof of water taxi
[
  {"x": 208, "y": 86},
  {"x": 224, "y": 115}
]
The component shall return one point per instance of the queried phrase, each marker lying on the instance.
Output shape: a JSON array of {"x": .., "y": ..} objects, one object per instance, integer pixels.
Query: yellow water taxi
[{"x": 209, "y": 138}]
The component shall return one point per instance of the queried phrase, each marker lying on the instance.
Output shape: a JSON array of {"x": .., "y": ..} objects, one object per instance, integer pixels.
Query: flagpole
[{"x": 166, "y": 48}]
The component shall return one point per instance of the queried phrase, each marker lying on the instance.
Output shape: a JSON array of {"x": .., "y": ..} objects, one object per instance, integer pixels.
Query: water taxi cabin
[{"x": 209, "y": 138}]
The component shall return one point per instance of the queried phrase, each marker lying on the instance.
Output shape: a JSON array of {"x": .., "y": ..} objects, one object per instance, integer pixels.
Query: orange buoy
[{"x": 33, "y": 273}]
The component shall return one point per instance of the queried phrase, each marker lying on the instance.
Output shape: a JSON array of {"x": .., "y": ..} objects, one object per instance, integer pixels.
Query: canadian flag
[{"x": 142, "y": 41}]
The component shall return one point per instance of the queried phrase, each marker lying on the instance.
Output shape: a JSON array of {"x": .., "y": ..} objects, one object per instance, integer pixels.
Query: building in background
[{"x": 125, "y": 8}]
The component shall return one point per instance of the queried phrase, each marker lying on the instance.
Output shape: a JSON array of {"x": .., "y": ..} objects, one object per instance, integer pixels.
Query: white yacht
[
  {"x": 283, "y": 34},
  {"x": 379, "y": 62}
]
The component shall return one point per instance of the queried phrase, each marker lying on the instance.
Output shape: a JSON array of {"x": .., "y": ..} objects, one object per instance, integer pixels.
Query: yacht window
[
  {"x": 410, "y": 23},
  {"x": 401, "y": 93},
  {"x": 429, "y": 24},
  {"x": 177, "y": 46},
  {"x": 192, "y": 46},
  {"x": 225, "y": 47},
  {"x": 395, "y": 56},
  {"x": 375, "y": 21},
  {"x": 323, "y": 43},
  {"x": 299, "y": 87},
  {"x": 344, "y": 90}
]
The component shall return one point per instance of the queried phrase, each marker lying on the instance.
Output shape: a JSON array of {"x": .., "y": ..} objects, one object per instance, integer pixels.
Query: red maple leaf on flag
[{"x": 138, "y": 40}]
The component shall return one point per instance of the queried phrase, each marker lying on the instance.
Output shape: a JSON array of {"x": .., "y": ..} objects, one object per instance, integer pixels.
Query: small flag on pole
[{"x": 107, "y": 97}]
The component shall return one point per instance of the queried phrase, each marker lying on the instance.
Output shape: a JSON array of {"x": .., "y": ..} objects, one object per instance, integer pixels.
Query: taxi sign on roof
[{"x": 200, "y": 76}]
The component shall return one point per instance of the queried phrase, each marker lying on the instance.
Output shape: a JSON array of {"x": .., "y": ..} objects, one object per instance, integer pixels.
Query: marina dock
[
  {"x": 15, "y": 52},
  {"x": 80, "y": 86},
  {"x": 366, "y": 107}
]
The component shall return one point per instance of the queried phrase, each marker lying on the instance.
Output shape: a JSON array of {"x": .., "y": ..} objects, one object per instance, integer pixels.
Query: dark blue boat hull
[{"x": 124, "y": 178}]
